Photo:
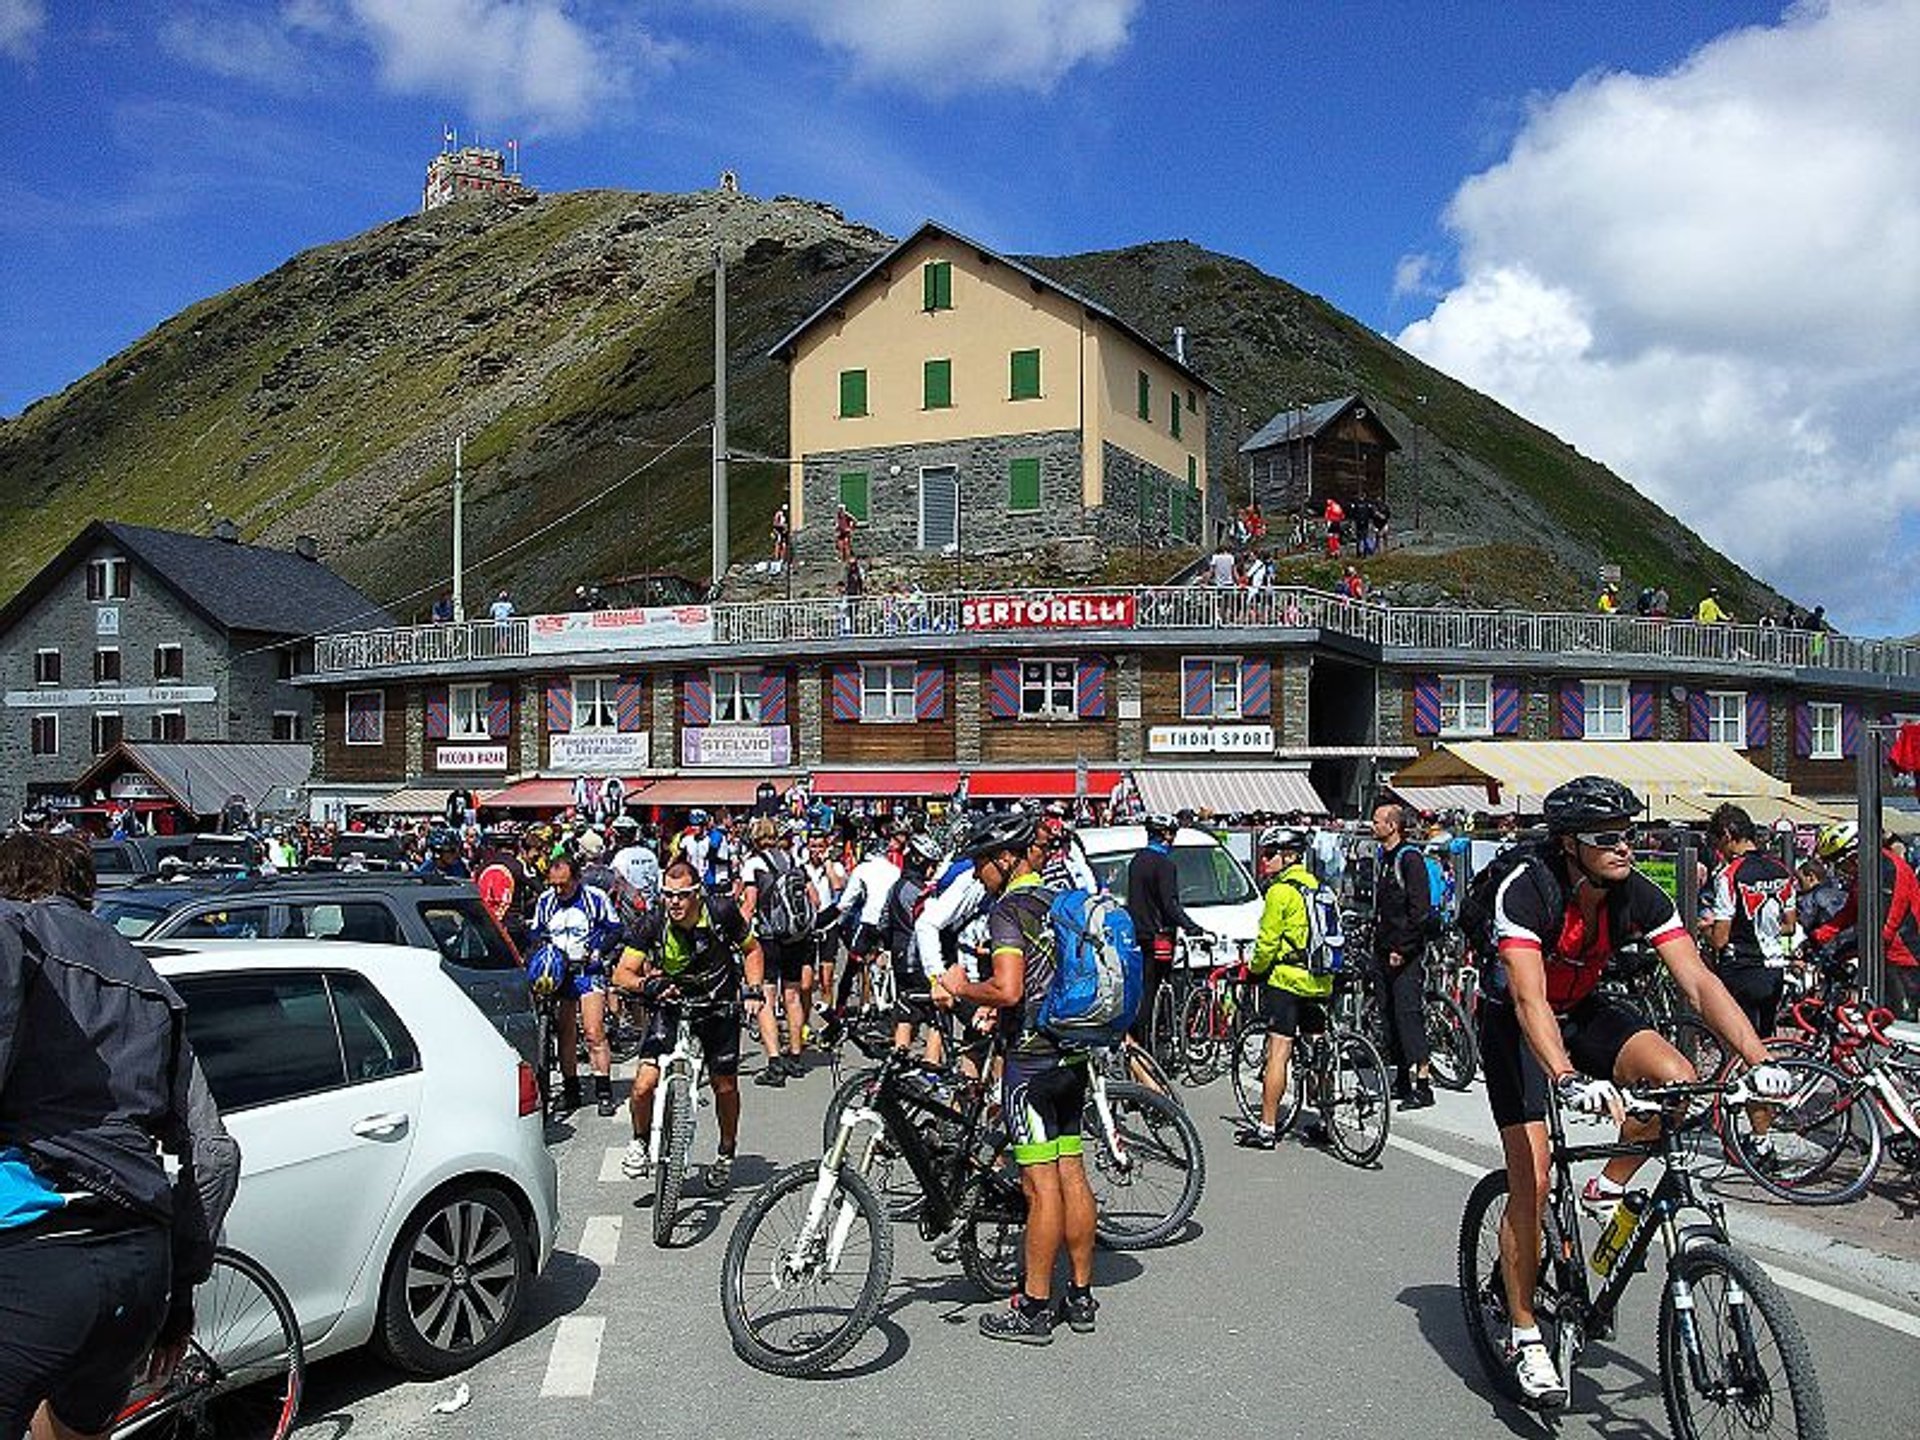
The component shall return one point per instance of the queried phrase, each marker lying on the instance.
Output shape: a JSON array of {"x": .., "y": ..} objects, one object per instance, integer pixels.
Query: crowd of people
[{"x": 1655, "y": 603}]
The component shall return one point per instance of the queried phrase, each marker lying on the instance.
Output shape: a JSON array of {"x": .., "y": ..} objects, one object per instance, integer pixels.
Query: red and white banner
[
  {"x": 1048, "y": 612},
  {"x": 620, "y": 629}
]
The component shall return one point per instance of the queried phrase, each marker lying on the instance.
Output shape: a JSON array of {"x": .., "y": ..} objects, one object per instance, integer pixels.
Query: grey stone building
[{"x": 142, "y": 634}]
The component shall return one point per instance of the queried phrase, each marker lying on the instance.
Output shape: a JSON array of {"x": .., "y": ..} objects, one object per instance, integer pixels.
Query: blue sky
[{"x": 1684, "y": 236}]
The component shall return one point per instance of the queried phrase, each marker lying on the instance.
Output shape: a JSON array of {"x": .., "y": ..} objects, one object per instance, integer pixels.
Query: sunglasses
[
  {"x": 671, "y": 894},
  {"x": 1607, "y": 839}
]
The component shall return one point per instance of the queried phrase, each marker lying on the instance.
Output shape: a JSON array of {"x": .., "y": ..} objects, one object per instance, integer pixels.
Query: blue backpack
[{"x": 1098, "y": 972}]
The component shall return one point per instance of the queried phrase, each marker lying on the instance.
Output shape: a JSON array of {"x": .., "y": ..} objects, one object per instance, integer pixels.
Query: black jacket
[
  {"x": 96, "y": 1069},
  {"x": 1402, "y": 899},
  {"x": 1153, "y": 896}
]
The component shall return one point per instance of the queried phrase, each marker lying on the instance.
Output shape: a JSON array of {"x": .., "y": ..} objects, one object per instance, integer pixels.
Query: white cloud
[
  {"x": 1416, "y": 274},
  {"x": 949, "y": 46},
  {"x": 22, "y": 23},
  {"x": 1710, "y": 279},
  {"x": 239, "y": 46}
]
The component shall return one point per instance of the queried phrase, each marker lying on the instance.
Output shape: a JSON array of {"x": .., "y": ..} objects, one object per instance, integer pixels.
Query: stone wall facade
[
  {"x": 1120, "y": 519},
  {"x": 1296, "y": 677}
]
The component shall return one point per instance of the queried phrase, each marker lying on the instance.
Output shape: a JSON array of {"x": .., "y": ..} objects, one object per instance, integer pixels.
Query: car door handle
[{"x": 381, "y": 1127}]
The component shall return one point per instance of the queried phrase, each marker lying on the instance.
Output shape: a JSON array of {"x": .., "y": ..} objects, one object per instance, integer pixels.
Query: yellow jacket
[{"x": 1280, "y": 951}]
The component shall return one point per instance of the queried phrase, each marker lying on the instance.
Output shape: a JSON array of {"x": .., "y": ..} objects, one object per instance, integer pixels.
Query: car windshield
[
  {"x": 130, "y": 919},
  {"x": 1208, "y": 875}
]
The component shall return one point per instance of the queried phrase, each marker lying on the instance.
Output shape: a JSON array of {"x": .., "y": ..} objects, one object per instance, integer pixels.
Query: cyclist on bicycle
[
  {"x": 862, "y": 903},
  {"x": 828, "y": 877},
  {"x": 1560, "y": 915},
  {"x": 913, "y": 1004},
  {"x": 694, "y": 947},
  {"x": 1292, "y": 998},
  {"x": 1044, "y": 1087},
  {"x": 1153, "y": 901},
  {"x": 580, "y": 922}
]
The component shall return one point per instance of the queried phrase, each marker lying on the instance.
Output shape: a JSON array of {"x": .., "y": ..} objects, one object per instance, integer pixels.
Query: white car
[
  {"x": 394, "y": 1174},
  {"x": 1214, "y": 886}
]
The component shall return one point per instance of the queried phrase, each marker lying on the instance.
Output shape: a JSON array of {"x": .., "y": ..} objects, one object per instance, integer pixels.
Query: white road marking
[
  {"x": 600, "y": 1241},
  {"x": 610, "y": 1165},
  {"x": 575, "y": 1362},
  {"x": 1885, "y": 1316}
]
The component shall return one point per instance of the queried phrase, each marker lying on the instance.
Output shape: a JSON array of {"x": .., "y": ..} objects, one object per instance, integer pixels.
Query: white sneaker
[
  {"x": 636, "y": 1164},
  {"x": 1599, "y": 1199},
  {"x": 1540, "y": 1383}
]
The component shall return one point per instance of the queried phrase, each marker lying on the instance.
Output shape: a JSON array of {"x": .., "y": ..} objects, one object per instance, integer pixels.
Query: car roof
[
  {"x": 204, "y": 957},
  {"x": 327, "y": 884},
  {"x": 1118, "y": 839}
]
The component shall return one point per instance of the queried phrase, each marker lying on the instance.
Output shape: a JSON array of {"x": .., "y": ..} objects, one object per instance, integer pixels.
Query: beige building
[{"x": 952, "y": 398}]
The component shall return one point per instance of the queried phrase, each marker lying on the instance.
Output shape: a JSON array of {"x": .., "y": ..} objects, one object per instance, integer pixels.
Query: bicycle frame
[{"x": 685, "y": 1058}]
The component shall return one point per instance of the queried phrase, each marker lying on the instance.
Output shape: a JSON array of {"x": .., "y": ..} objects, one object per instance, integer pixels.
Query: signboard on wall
[
  {"x": 1210, "y": 740},
  {"x": 654, "y": 625},
  {"x": 108, "y": 696},
  {"x": 1048, "y": 612},
  {"x": 106, "y": 620},
  {"x": 743, "y": 747},
  {"x": 471, "y": 757},
  {"x": 600, "y": 753}
]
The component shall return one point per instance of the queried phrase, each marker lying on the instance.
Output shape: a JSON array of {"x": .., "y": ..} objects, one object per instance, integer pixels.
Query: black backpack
[
  {"x": 1476, "y": 910},
  {"x": 784, "y": 909}
]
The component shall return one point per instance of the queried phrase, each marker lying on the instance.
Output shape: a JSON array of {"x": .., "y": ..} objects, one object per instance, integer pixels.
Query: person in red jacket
[{"x": 1900, "y": 933}]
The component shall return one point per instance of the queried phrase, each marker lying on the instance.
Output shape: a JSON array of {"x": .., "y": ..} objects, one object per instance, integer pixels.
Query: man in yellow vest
[{"x": 1291, "y": 997}]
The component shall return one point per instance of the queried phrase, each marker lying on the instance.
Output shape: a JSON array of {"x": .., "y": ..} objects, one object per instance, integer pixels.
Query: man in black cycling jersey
[
  {"x": 1559, "y": 917},
  {"x": 1045, "y": 1087},
  {"x": 1749, "y": 912},
  {"x": 692, "y": 947},
  {"x": 1153, "y": 903}
]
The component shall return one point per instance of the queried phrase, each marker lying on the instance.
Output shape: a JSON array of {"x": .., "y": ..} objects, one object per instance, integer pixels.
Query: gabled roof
[
  {"x": 784, "y": 347},
  {"x": 1307, "y": 423},
  {"x": 202, "y": 775},
  {"x": 230, "y": 585}
]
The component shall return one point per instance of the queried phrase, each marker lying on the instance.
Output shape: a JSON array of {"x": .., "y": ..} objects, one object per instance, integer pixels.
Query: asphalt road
[{"x": 1308, "y": 1299}]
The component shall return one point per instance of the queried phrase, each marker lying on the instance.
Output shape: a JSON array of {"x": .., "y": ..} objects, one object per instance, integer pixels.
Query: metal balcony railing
[{"x": 1459, "y": 636}]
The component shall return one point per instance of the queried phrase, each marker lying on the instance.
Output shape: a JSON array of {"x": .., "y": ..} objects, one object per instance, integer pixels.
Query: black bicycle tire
[
  {"x": 1163, "y": 1031},
  {"x": 1770, "y": 1304},
  {"x": 1489, "y": 1344},
  {"x": 747, "y": 1344},
  {"x": 1120, "y": 1097},
  {"x": 1198, "y": 1055},
  {"x": 547, "y": 1048},
  {"x": 853, "y": 1085},
  {"x": 1382, "y": 1100},
  {"x": 1463, "y": 1063},
  {"x": 994, "y": 1270},
  {"x": 677, "y": 1122},
  {"x": 180, "y": 1408},
  {"x": 1801, "y": 1191}
]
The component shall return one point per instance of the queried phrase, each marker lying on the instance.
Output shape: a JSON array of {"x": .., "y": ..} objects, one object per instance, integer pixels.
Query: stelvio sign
[{"x": 1048, "y": 612}]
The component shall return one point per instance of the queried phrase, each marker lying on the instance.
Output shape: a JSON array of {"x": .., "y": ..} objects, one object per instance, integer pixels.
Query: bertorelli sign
[
  {"x": 107, "y": 697},
  {"x": 1048, "y": 612}
]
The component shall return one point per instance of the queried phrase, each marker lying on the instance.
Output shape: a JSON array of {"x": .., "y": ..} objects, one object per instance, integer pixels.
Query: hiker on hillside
[
  {"x": 843, "y": 527},
  {"x": 782, "y": 533}
]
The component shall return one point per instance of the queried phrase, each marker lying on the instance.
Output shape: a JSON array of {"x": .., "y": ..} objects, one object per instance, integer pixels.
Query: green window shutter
[
  {"x": 853, "y": 493},
  {"x": 1146, "y": 397},
  {"x": 1024, "y": 383},
  {"x": 1145, "y": 493},
  {"x": 1173, "y": 409},
  {"x": 1193, "y": 473},
  {"x": 938, "y": 386},
  {"x": 1023, "y": 485},
  {"x": 1190, "y": 404},
  {"x": 853, "y": 393},
  {"x": 1177, "y": 509},
  {"x": 936, "y": 285}
]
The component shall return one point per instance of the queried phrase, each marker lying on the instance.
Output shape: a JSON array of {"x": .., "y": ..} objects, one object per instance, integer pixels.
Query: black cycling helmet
[
  {"x": 924, "y": 851},
  {"x": 1013, "y": 830},
  {"x": 1587, "y": 802},
  {"x": 1162, "y": 824},
  {"x": 1283, "y": 837}
]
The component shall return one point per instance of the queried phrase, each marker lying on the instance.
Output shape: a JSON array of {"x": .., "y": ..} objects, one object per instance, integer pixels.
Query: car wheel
[{"x": 457, "y": 1284}]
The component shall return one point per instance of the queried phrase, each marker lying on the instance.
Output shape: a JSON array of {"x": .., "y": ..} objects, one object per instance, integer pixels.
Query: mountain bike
[
  {"x": 1208, "y": 1013},
  {"x": 243, "y": 1368},
  {"x": 1453, "y": 1054},
  {"x": 683, "y": 1073},
  {"x": 1731, "y": 1356},
  {"x": 1338, "y": 1072}
]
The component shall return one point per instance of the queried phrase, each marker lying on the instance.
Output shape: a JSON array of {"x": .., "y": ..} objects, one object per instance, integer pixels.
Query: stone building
[
  {"x": 1307, "y": 453},
  {"x": 956, "y": 400},
  {"x": 470, "y": 173},
  {"x": 141, "y": 634}
]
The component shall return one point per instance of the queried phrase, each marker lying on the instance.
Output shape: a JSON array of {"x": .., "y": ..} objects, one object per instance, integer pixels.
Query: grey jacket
[{"x": 97, "y": 1075}]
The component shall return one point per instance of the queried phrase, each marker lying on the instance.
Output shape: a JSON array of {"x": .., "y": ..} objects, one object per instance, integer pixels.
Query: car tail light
[{"x": 529, "y": 1090}]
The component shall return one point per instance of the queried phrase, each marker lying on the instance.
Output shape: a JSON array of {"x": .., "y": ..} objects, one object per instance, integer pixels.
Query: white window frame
[
  {"x": 1040, "y": 694},
  {"x": 1727, "y": 717},
  {"x": 1466, "y": 705},
  {"x": 180, "y": 669},
  {"x": 594, "y": 711},
  {"x": 884, "y": 698},
  {"x": 119, "y": 664},
  {"x": 1599, "y": 692},
  {"x": 160, "y": 716},
  {"x": 295, "y": 727},
  {"x": 1824, "y": 720},
  {"x": 115, "y": 582},
  {"x": 38, "y": 656},
  {"x": 379, "y": 699},
  {"x": 467, "y": 707},
  {"x": 1224, "y": 667},
  {"x": 736, "y": 695},
  {"x": 34, "y": 726},
  {"x": 94, "y": 737}
]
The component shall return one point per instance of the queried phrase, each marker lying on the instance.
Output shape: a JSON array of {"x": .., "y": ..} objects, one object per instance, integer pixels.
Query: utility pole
[
  {"x": 1419, "y": 476},
  {"x": 459, "y": 510},
  {"x": 720, "y": 521}
]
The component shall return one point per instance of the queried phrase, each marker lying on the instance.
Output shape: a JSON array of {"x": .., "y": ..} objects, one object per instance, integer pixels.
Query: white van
[{"x": 1214, "y": 886}]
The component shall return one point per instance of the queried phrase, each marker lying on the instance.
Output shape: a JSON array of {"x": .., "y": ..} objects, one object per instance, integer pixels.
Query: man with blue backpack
[
  {"x": 1045, "y": 1082},
  {"x": 1295, "y": 968}
]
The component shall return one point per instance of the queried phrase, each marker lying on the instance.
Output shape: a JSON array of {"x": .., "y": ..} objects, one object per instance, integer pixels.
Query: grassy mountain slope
[{"x": 570, "y": 341}]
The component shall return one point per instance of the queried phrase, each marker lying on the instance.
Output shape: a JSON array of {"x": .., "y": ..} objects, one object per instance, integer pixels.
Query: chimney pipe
[
  {"x": 306, "y": 547},
  {"x": 225, "y": 529},
  {"x": 1180, "y": 343}
]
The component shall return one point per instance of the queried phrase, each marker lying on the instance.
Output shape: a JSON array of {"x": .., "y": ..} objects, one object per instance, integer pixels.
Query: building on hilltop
[
  {"x": 1332, "y": 448},
  {"x": 132, "y": 633},
  {"x": 472, "y": 172},
  {"x": 956, "y": 400}
]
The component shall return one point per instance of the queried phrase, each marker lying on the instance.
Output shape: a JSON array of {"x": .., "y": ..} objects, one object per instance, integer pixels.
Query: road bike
[
  {"x": 676, "y": 1098},
  {"x": 1209, "y": 1012},
  {"x": 1731, "y": 1357},
  {"x": 1337, "y": 1072},
  {"x": 243, "y": 1369}
]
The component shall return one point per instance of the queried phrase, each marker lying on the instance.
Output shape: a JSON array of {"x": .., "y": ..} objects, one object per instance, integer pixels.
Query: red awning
[
  {"x": 876, "y": 784},
  {"x": 552, "y": 794},
  {"x": 1038, "y": 784},
  {"x": 734, "y": 792}
]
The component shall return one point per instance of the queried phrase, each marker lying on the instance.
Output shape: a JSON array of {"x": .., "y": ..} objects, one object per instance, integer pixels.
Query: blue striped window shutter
[
  {"x": 499, "y": 710},
  {"x": 773, "y": 697},
  {"x": 1850, "y": 717},
  {"x": 1003, "y": 690},
  {"x": 1196, "y": 689},
  {"x": 1256, "y": 689},
  {"x": 1803, "y": 729},
  {"x": 1426, "y": 705},
  {"x": 846, "y": 692},
  {"x": 628, "y": 715},
  {"x": 1643, "y": 710},
  {"x": 930, "y": 692},
  {"x": 437, "y": 712},
  {"x": 1573, "y": 710},
  {"x": 696, "y": 699},
  {"x": 1699, "y": 715},
  {"x": 1091, "y": 693},
  {"x": 1506, "y": 705},
  {"x": 559, "y": 706},
  {"x": 1759, "y": 721}
]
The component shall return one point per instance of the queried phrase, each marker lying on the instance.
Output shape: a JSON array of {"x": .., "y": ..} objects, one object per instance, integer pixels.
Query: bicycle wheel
[
  {"x": 548, "y": 1051},
  {"x": 243, "y": 1369},
  {"x": 1163, "y": 1030},
  {"x": 993, "y": 1244},
  {"x": 1455, "y": 1055},
  {"x": 1483, "y": 1286},
  {"x": 1249, "y": 1068},
  {"x": 1148, "y": 1173},
  {"x": 844, "y": 1094},
  {"x": 1138, "y": 1066},
  {"x": 1199, "y": 1014},
  {"x": 791, "y": 1307},
  {"x": 1736, "y": 1362},
  {"x": 1821, "y": 1146},
  {"x": 1360, "y": 1105},
  {"x": 676, "y": 1123}
]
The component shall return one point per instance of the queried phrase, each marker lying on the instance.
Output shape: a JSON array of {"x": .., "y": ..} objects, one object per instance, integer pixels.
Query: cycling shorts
[
  {"x": 1756, "y": 989},
  {"x": 717, "y": 1029},
  {"x": 589, "y": 980},
  {"x": 864, "y": 940},
  {"x": 1042, "y": 1097},
  {"x": 1595, "y": 1031},
  {"x": 787, "y": 960},
  {"x": 1281, "y": 1012}
]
